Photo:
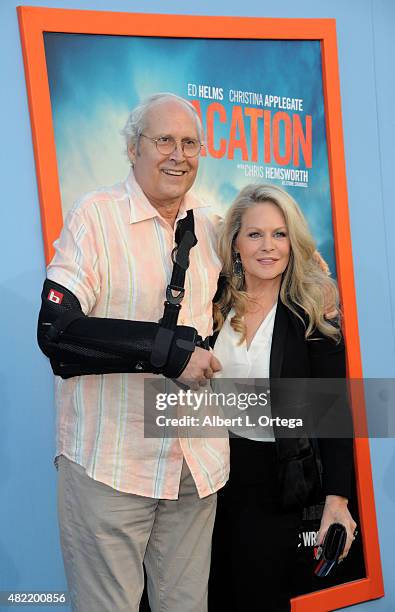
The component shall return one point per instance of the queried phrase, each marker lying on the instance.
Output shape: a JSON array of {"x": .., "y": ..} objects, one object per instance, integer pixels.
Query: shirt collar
[{"x": 141, "y": 209}]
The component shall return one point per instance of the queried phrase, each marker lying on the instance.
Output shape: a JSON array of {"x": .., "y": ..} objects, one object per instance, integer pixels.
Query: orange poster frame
[{"x": 35, "y": 21}]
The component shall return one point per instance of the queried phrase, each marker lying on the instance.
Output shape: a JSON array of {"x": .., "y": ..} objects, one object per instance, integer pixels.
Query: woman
[{"x": 276, "y": 316}]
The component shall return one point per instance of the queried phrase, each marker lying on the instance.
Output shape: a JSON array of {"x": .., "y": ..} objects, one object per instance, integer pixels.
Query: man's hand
[{"x": 200, "y": 368}]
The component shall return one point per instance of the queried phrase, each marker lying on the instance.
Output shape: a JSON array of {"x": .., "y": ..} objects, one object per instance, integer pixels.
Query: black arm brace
[{"x": 77, "y": 344}]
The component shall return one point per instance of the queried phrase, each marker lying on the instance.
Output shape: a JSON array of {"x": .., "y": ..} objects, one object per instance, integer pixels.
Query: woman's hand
[{"x": 336, "y": 511}]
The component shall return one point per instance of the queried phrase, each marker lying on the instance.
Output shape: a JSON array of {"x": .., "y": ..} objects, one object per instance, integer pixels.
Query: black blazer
[{"x": 292, "y": 356}]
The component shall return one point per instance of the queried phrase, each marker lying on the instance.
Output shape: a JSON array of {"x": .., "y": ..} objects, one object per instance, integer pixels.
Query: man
[{"x": 125, "y": 500}]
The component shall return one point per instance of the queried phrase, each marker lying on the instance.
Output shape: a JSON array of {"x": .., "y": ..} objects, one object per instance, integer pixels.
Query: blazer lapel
[{"x": 278, "y": 340}]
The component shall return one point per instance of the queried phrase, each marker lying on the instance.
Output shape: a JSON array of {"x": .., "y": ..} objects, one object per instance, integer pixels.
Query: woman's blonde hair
[{"x": 305, "y": 285}]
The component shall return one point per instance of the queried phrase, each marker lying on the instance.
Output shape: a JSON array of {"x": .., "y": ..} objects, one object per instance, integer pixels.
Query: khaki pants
[{"x": 107, "y": 535}]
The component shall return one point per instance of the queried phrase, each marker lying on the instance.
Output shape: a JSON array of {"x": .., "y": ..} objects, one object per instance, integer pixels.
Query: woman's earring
[{"x": 237, "y": 266}]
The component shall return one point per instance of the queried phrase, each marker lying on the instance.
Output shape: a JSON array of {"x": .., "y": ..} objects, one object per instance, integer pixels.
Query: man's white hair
[{"x": 136, "y": 121}]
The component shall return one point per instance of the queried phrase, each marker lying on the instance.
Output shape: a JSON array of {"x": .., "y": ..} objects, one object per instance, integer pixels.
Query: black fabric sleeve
[
  {"x": 327, "y": 359},
  {"x": 77, "y": 344}
]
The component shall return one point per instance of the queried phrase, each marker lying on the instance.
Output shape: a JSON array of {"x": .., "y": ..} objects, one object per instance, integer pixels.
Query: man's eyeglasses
[{"x": 167, "y": 144}]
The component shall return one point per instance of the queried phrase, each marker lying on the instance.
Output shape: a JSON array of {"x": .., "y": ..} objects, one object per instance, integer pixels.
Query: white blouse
[{"x": 241, "y": 363}]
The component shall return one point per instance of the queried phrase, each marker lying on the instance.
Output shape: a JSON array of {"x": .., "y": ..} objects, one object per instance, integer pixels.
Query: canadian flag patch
[{"x": 55, "y": 296}]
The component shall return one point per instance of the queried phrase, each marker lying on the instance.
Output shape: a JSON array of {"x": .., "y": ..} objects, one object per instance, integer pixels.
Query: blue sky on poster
[{"x": 96, "y": 80}]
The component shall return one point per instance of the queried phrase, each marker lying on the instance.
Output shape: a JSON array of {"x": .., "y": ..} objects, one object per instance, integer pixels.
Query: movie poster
[
  {"x": 261, "y": 104},
  {"x": 262, "y": 107}
]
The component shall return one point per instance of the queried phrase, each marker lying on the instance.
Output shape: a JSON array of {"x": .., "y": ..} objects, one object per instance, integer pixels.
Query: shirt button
[{"x": 139, "y": 366}]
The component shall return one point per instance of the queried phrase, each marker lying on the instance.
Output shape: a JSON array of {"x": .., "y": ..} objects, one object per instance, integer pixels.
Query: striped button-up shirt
[{"x": 114, "y": 254}]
